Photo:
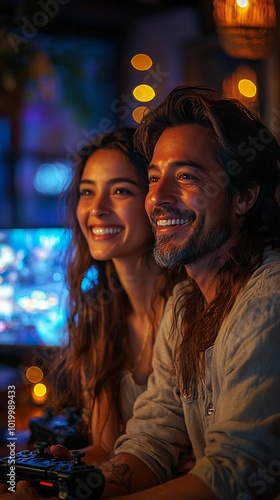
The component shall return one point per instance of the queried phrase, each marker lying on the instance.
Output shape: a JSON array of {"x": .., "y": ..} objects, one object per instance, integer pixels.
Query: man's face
[{"x": 187, "y": 201}]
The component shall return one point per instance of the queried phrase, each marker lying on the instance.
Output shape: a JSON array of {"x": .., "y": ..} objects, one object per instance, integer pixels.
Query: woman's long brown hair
[{"x": 88, "y": 369}]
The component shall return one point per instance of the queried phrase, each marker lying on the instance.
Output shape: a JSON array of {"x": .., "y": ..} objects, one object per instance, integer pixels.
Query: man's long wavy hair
[
  {"x": 249, "y": 155},
  {"x": 97, "y": 307}
]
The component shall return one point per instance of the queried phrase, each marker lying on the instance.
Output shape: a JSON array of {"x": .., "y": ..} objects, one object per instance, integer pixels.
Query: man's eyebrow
[
  {"x": 113, "y": 181},
  {"x": 177, "y": 164}
]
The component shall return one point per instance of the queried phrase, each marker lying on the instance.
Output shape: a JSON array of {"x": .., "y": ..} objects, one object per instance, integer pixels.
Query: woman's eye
[
  {"x": 122, "y": 191},
  {"x": 86, "y": 192}
]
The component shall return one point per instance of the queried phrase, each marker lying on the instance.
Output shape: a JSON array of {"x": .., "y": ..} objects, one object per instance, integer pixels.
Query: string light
[{"x": 142, "y": 92}]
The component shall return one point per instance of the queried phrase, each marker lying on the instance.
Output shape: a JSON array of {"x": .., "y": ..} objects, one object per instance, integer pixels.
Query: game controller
[
  {"x": 67, "y": 480},
  {"x": 58, "y": 429}
]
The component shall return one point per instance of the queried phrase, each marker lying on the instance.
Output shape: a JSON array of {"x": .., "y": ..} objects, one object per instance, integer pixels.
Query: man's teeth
[
  {"x": 172, "y": 222},
  {"x": 105, "y": 230}
]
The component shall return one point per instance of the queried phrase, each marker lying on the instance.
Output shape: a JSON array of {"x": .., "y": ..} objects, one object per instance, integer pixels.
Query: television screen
[{"x": 33, "y": 294}]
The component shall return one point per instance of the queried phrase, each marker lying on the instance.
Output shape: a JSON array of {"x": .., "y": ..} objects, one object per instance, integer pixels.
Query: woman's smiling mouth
[{"x": 102, "y": 230}]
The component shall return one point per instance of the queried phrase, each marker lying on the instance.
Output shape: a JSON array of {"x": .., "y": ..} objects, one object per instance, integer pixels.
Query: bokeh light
[
  {"x": 51, "y": 178},
  {"x": 39, "y": 393},
  {"x": 34, "y": 374},
  {"x": 138, "y": 113},
  {"x": 144, "y": 93},
  {"x": 142, "y": 62},
  {"x": 247, "y": 88}
]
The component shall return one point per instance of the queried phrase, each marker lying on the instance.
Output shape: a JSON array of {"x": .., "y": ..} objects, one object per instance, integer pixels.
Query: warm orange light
[
  {"x": 39, "y": 393},
  {"x": 242, "y": 84},
  {"x": 144, "y": 93},
  {"x": 242, "y": 3},
  {"x": 138, "y": 112},
  {"x": 40, "y": 390},
  {"x": 247, "y": 88},
  {"x": 34, "y": 374},
  {"x": 247, "y": 29},
  {"x": 142, "y": 62}
]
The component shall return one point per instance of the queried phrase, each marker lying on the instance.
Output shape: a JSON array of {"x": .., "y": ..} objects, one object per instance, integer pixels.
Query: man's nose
[{"x": 162, "y": 192}]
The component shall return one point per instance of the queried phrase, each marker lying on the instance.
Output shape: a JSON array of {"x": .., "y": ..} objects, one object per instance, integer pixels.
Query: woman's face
[{"x": 111, "y": 209}]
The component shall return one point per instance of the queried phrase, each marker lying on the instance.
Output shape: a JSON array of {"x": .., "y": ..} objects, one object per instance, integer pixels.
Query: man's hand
[{"x": 24, "y": 491}]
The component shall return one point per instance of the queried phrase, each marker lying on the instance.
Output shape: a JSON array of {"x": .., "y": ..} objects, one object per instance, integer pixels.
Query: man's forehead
[{"x": 191, "y": 145}]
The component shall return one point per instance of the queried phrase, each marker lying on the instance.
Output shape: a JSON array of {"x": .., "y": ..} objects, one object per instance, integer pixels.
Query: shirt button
[{"x": 210, "y": 410}]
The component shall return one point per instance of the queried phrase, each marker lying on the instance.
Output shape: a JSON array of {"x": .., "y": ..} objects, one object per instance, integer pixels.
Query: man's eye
[
  {"x": 153, "y": 179},
  {"x": 186, "y": 177}
]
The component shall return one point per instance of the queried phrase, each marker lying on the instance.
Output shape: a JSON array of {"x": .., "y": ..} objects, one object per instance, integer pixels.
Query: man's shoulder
[
  {"x": 177, "y": 292},
  {"x": 271, "y": 257},
  {"x": 261, "y": 292},
  {"x": 269, "y": 269},
  {"x": 180, "y": 288}
]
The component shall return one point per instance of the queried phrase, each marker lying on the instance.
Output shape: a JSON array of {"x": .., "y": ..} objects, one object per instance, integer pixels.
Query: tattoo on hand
[{"x": 121, "y": 475}]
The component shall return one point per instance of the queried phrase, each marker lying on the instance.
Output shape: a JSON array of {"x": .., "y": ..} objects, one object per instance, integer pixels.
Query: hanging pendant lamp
[{"x": 246, "y": 28}]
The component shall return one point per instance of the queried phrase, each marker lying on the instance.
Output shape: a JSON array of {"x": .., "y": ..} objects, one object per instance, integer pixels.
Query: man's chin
[{"x": 166, "y": 258}]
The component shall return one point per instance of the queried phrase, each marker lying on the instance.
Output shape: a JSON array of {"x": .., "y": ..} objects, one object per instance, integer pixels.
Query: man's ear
[{"x": 247, "y": 200}]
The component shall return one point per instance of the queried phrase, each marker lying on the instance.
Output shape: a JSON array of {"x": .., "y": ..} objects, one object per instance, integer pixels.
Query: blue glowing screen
[{"x": 33, "y": 294}]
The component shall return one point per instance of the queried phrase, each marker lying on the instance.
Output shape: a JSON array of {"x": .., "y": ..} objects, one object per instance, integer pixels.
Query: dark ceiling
[{"x": 106, "y": 17}]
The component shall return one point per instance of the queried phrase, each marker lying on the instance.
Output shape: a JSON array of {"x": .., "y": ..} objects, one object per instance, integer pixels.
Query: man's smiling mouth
[{"x": 172, "y": 222}]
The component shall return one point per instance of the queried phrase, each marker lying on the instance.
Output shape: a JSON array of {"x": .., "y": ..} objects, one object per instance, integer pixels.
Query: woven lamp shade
[{"x": 246, "y": 32}]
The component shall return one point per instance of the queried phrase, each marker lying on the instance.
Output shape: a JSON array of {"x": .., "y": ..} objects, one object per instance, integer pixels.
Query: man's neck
[
  {"x": 204, "y": 271},
  {"x": 205, "y": 280}
]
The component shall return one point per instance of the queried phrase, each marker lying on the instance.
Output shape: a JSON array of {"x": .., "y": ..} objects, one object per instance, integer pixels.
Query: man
[
  {"x": 213, "y": 396},
  {"x": 214, "y": 173}
]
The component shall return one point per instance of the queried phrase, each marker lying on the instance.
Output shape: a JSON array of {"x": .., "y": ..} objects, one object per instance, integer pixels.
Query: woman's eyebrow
[{"x": 113, "y": 181}]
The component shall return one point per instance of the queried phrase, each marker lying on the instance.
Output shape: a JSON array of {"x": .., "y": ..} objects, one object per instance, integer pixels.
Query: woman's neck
[{"x": 138, "y": 279}]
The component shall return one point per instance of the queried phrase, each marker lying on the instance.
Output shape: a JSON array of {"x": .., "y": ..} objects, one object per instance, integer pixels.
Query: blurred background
[
  {"x": 66, "y": 74},
  {"x": 69, "y": 70}
]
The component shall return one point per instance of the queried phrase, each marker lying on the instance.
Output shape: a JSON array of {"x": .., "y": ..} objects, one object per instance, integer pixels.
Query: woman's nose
[{"x": 100, "y": 206}]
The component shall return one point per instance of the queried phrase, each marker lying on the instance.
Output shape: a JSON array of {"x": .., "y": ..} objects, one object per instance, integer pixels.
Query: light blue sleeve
[{"x": 242, "y": 454}]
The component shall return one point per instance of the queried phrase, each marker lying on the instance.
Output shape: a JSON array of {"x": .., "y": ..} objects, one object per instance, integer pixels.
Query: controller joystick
[
  {"x": 77, "y": 455},
  {"x": 40, "y": 448}
]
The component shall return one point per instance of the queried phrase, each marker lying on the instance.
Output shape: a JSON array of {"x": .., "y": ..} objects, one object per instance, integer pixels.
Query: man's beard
[{"x": 169, "y": 254}]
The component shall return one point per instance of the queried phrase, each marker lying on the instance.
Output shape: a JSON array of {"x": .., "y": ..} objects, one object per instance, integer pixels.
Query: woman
[{"x": 117, "y": 292}]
